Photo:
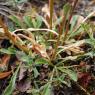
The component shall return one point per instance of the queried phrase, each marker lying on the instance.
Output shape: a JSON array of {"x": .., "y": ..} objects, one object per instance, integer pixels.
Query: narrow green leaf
[
  {"x": 62, "y": 80},
  {"x": 35, "y": 91},
  {"x": 28, "y": 21},
  {"x": 47, "y": 90},
  {"x": 8, "y": 51},
  {"x": 67, "y": 8},
  {"x": 73, "y": 22},
  {"x": 41, "y": 61},
  {"x": 34, "y": 23},
  {"x": 72, "y": 74},
  {"x": 36, "y": 73},
  {"x": 16, "y": 20},
  {"x": 10, "y": 88},
  {"x": 39, "y": 21},
  {"x": 24, "y": 57},
  {"x": 20, "y": 1}
]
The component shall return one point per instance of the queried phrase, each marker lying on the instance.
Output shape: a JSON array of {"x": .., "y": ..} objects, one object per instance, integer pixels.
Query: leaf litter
[{"x": 51, "y": 59}]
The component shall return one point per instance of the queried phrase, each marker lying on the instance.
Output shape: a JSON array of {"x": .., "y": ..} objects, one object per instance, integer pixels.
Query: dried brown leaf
[
  {"x": 4, "y": 74},
  {"x": 40, "y": 49}
]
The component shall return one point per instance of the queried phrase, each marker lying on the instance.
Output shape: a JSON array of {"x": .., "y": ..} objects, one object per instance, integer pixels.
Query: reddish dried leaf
[
  {"x": 40, "y": 49},
  {"x": 5, "y": 60},
  {"x": 93, "y": 93},
  {"x": 84, "y": 79},
  {"x": 82, "y": 63},
  {"x": 4, "y": 74}
]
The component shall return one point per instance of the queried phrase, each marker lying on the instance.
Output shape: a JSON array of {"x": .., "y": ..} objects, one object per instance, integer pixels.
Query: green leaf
[
  {"x": 39, "y": 21},
  {"x": 72, "y": 74},
  {"x": 58, "y": 21},
  {"x": 16, "y": 20},
  {"x": 28, "y": 21},
  {"x": 67, "y": 8},
  {"x": 72, "y": 34},
  {"x": 41, "y": 61},
  {"x": 36, "y": 73},
  {"x": 21, "y": 1},
  {"x": 47, "y": 89},
  {"x": 11, "y": 26},
  {"x": 10, "y": 88},
  {"x": 8, "y": 51},
  {"x": 34, "y": 23},
  {"x": 34, "y": 91},
  {"x": 62, "y": 80},
  {"x": 73, "y": 22},
  {"x": 24, "y": 57}
]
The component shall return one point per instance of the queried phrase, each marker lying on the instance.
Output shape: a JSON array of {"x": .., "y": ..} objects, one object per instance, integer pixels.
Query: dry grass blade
[
  {"x": 35, "y": 29},
  {"x": 77, "y": 44},
  {"x": 28, "y": 38},
  {"x": 5, "y": 60},
  {"x": 35, "y": 46},
  {"x": 91, "y": 14},
  {"x": 12, "y": 38}
]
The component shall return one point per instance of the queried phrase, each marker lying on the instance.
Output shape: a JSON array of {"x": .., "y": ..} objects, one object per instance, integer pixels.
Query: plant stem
[
  {"x": 51, "y": 5},
  {"x": 67, "y": 26},
  {"x": 51, "y": 12},
  {"x": 58, "y": 40}
]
